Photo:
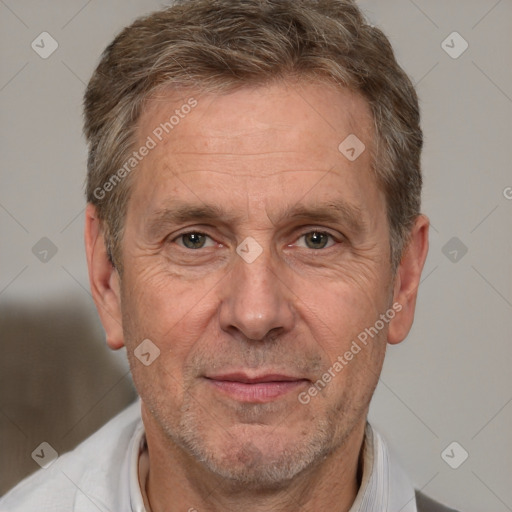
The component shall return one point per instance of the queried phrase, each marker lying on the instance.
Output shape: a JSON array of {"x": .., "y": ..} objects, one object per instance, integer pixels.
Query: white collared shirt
[
  {"x": 101, "y": 474},
  {"x": 384, "y": 486}
]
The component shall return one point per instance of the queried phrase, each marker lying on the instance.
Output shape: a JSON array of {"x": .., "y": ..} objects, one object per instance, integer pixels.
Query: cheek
[
  {"x": 343, "y": 318},
  {"x": 161, "y": 303},
  {"x": 341, "y": 308},
  {"x": 350, "y": 375},
  {"x": 173, "y": 315}
]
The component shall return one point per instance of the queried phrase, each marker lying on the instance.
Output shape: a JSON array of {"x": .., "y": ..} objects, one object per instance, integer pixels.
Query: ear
[
  {"x": 103, "y": 279},
  {"x": 407, "y": 280}
]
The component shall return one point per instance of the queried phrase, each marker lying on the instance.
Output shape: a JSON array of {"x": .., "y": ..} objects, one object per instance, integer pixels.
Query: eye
[
  {"x": 317, "y": 240},
  {"x": 312, "y": 240},
  {"x": 194, "y": 240}
]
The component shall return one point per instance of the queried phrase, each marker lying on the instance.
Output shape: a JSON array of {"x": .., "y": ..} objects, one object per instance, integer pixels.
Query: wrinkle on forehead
[{"x": 250, "y": 126}]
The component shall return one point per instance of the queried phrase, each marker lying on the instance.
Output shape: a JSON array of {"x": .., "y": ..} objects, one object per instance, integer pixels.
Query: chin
[{"x": 255, "y": 456}]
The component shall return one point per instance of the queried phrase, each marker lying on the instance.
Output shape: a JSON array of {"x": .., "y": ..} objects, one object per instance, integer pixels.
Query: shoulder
[
  {"x": 87, "y": 474},
  {"x": 426, "y": 504}
]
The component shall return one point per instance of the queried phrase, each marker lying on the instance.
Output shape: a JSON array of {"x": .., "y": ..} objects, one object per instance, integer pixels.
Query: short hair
[{"x": 222, "y": 45}]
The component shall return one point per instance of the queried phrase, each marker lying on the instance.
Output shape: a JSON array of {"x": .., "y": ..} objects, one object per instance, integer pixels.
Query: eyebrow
[{"x": 335, "y": 212}]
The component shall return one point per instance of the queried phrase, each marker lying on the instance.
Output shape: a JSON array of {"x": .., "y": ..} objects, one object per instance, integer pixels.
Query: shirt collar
[
  {"x": 130, "y": 496},
  {"x": 384, "y": 485}
]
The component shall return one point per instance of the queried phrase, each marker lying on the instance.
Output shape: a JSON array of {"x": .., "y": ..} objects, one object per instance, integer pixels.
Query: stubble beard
[{"x": 256, "y": 457}]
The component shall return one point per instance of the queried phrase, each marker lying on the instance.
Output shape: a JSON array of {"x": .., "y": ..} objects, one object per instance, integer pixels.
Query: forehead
[
  {"x": 253, "y": 119},
  {"x": 256, "y": 142}
]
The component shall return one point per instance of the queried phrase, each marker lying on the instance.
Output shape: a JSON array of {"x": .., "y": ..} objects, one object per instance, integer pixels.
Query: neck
[{"x": 173, "y": 477}]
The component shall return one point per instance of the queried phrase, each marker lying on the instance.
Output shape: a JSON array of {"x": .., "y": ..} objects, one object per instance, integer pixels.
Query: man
[{"x": 254, "y": 239}]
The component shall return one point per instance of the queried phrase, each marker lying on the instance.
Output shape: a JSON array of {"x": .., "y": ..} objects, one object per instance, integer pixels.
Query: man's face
[{"x": 243, "y": 334}]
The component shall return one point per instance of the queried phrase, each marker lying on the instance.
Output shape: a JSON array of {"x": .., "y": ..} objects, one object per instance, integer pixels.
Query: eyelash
[{"x": 317, "y": 231}]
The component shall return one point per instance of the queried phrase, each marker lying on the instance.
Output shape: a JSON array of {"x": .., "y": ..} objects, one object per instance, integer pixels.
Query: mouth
[{"x": 255, "y": 389}]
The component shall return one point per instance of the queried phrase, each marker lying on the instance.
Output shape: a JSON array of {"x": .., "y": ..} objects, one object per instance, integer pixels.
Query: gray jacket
[{"x": 426, "y": 504}]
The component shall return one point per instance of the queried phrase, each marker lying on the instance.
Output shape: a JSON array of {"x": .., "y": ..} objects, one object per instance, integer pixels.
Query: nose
[{"x": 255, "y": 301}]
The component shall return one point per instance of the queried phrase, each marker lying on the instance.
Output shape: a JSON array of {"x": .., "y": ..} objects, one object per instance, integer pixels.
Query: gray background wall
[{"x": 450, "y": 381}]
